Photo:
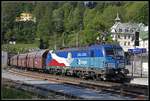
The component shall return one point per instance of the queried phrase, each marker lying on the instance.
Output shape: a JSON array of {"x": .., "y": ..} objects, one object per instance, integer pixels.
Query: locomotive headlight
[{"x": 120, "y": 65}]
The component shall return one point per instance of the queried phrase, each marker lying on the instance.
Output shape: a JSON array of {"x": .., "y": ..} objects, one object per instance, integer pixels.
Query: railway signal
[{"x": 136, "y": 42}]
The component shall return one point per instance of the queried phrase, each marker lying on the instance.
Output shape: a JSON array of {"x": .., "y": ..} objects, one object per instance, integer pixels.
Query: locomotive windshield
[
  {"x": 109, "y": 52},
  {"x": 119, "y": 52},
  {"x": 114, "y": 51}
]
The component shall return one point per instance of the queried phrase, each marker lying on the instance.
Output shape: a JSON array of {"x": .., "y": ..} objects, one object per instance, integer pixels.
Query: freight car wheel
[{"x": 81, "y": 76}]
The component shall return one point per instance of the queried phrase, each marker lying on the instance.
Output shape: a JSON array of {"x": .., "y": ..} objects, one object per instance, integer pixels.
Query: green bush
[{"x": 18, "y": 48}]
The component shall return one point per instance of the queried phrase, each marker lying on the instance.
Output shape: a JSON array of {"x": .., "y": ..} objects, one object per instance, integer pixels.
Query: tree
[
  {"x": 78, "y": 16},
  {"x": 90, "y": 36},
  {"x": 9, "y": 13},
  {"x": 44, "y": 27},
  {"x": 89, "y": 15},
  {"x": 67, "y": 9},
  {"x": 39, "y": 11},
  {"x": 137, "y": 12},
  {"x": 58, "y": 20},
  {"x": 109, "y": 14}
]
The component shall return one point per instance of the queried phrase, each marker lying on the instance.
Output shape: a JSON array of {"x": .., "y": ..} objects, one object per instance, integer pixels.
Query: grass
[{"x": 12, "y": 93}]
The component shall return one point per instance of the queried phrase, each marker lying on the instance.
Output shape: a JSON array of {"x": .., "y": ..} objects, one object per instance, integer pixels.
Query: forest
[{"x": 66, "y": 23}]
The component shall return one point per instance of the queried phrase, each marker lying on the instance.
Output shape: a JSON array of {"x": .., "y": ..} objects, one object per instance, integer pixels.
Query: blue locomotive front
[
  {"x": 99, "y": 61},
  {"x": 115, "y": 62}
]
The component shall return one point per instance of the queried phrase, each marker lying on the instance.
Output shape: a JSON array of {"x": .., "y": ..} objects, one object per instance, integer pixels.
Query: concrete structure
[
  {"x": 4, "y": 58},
  {"x": 124, "y": 33},
  {"x": 66, "y": 89}
]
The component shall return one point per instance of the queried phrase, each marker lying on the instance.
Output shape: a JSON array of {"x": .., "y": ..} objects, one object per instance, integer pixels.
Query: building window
[
  {"x": 124, "y": 43},
  {"x": 124, "y": 36},
  {"x": 131, "y": 30},
  {"x": 128, "y": 36},
  {"x": 128, "y": 43},
  {"x": 119, "y": 36},
  {"x": 132, "y": 38},
  {"x": 120, "y": 30},
  {"x": 126, "y": 30}
]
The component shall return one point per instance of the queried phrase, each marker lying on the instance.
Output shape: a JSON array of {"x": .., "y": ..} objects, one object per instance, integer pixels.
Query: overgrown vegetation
[
  {"x": 11, "y": 93},
  {"x": 63, "y": 22}
]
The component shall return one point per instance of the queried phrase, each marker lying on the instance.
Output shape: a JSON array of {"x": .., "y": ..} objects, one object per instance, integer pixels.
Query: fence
[{"x": 139, "y": 65}]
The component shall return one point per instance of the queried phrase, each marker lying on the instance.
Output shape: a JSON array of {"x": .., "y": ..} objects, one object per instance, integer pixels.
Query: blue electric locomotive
[{"x": 104, "y": 61}]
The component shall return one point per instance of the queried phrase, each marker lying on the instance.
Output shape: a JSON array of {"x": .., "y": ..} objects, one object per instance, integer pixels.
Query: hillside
[{"x": 63, "y": 23}]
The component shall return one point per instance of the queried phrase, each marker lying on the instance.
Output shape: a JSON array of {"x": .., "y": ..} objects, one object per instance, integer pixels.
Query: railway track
[{"x": 130, "y": 90}]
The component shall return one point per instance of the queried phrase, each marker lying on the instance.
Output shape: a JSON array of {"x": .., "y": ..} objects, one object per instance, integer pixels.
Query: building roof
[
  {"x": 117, "y": 18},
  {"x": 132, "y": 27},
  {"x": 126, "y": 25}
]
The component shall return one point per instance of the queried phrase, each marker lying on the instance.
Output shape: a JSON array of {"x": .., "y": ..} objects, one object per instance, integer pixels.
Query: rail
[{"x": 131, "y": 90}]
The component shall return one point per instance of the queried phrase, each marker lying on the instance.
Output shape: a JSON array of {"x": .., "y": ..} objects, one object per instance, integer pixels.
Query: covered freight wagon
[
  {"x": 14, "y": 60},
  {"x": 30, "y": 59},
  {"x": 40, "y": 58},
  {"x": 22, "y": 60}
]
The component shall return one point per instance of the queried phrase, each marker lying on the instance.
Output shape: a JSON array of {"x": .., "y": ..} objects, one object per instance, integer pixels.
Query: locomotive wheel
[
  {"x": 98, "y": 77},
  {"x": 103, "y": 78},
  {"x": 82, "y": 77}
]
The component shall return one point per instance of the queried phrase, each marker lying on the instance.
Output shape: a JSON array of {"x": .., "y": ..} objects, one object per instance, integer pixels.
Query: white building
[
  {"x": 143, "y": 39},
  {"x": 124, "y": 34},
  {"x": 26, "y": 17}
]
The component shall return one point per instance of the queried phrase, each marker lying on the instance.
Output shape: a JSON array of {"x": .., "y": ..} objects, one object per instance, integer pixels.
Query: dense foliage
[{"x": 63, "y": 23}]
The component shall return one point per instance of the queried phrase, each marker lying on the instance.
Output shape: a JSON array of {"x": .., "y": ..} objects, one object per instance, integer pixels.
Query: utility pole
[
  {"x": 63, "y": 43},
  {"x": 132, "y": 64},
  {"x": 77, "y": 37},
  {"x": 56, "y": 30},
  {"x": 141, "y": 63},
  {"x": 55, "y": 46}
]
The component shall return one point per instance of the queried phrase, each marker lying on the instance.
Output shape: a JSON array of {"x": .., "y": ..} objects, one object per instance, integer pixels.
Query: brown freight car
[
  {"x": 36, "y": 60},
  {"x": 11, "y": 63},
  {"x": 30, "y": 59},
  {"x": 40, "y": 59},
  {"x": 22, "y": 60},
  {"x": 14, "y": 60}
]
